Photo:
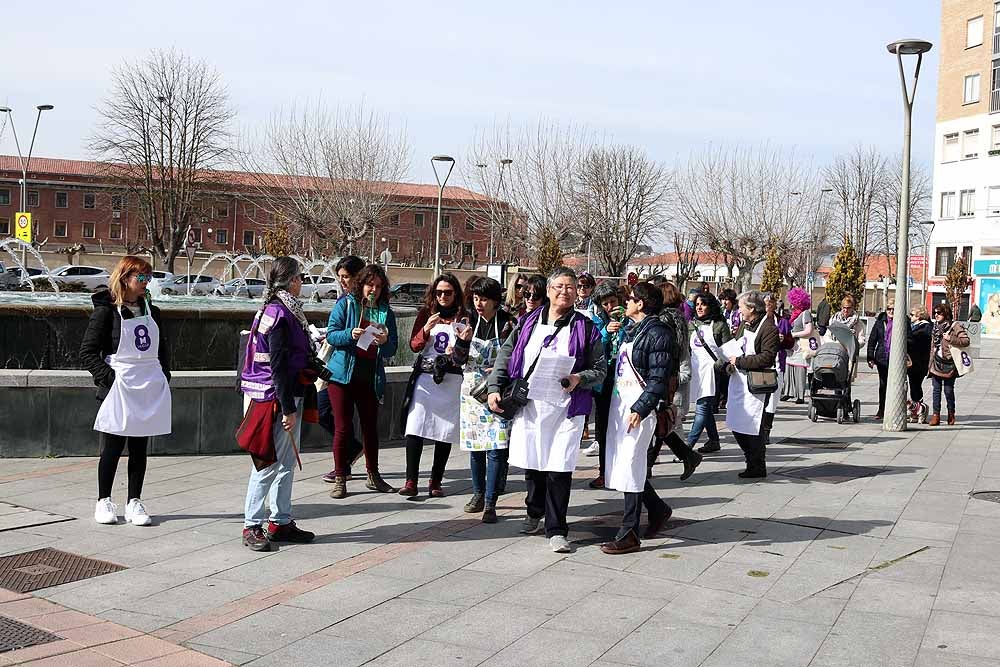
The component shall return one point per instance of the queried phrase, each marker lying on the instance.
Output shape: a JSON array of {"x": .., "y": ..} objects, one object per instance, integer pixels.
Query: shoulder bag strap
[
  {"x": 701, "y": 337},
  {"x": 551, "y": 337}
]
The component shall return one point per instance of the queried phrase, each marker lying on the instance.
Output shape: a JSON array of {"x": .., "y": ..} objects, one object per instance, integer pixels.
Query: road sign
[
  {"x": 917, "y": 261},
  {"x": 909, "y": 282},
  {"x": 22, "y": 228},
  {"x": 385, "y": 257},
  {"x": 633, "y": 278}
]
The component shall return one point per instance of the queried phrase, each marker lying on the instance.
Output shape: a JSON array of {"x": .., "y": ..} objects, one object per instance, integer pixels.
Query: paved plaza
[{"x": 885, "y": 562}]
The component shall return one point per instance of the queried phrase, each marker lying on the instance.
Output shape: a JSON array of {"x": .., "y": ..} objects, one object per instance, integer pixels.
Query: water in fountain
[{"x": 8, "y": 244}]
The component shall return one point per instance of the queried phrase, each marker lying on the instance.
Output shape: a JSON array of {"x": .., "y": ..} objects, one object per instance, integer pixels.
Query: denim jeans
[
  {"x": 489, "y": 473},
  {"x": 949, "y": 393},
  {"x": 704, "y": 419},
  {"x": 275, "y": 481}
]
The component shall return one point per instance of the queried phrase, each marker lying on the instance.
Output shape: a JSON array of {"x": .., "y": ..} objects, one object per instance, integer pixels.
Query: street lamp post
[
  {"x": 25, "y": 162},
  {"x": 437, "y": 227},
  {"x": 895, "y": 403}
]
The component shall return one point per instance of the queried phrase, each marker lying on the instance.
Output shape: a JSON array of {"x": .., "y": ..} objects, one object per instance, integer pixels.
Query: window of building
[
  {"x": 32, "y": 198},
  {"x": 196, "y": 233},
  {"x": 89, "y": 200},
  {"x": 966, "y": 203},
  {"x": 993, "y": 201},
  {"x": 949, "y": 150},
  {"x": 467, "y": 249},
  {"x": 115, "y": 230},
  {"x": 393, "y": 245},
  {"x": 470, "y": 225},
  {"x": 248, "y": 238},
  {"x": 222, "y": 210},
  {"x": 970, "y": 144},
  {"x": 445, "y": 222},
  {"x": 222, "y": 236},
  {"x": 944, "y": 258},
  {"x": 4, "y": 197},
  {"x": 394, "y": 220},
  {"x": 947, "y": 205},
  {"x": 971, "y": 89},
  {"x": 989, "y": 250},
  {"x": 89, "y": 230},
  {"x": 60, "y": 228},
  {"x": 418, "y": 219},
  {"x": 62, "y": 200},
  {"x": 4, "y": 226},
  {"x": 974, "y": 32},
  {"x": 249, "y": 210},
  {"x": 995, "y": 138},
  {"x": 117, "y": 201}
]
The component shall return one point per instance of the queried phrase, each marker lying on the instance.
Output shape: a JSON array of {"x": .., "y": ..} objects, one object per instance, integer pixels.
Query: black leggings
[
  {"x": 415, "y": 447},
  {"x": 112, "y": 447}
]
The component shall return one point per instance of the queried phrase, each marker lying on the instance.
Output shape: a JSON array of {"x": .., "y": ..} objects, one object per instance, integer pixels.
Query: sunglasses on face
[
  {"x": 533, "y": 296},
  {"x": 444, "y": 292}
]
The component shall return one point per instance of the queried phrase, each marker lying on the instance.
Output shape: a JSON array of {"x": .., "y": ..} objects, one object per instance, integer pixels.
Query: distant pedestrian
[
  {"x": 879, "y": 345},
  {"x": 807, "y": 343},
  {"x": 125, "y": 349},
  {"x": 947, "y": 337},
  {"x": 919, "y": 354},
  {"x": 708, "y": 333},
  {"x": 607, "y": 317}
]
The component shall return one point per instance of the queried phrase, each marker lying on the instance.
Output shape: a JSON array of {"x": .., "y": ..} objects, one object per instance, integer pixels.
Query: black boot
[{"x": 690, "y": 463}]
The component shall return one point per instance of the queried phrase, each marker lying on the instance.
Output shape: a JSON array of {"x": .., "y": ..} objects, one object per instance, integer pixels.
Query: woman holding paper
[
  {"x": 755, "y": 347},
  {"x": 557, "y": 351},
  {"x": 362, "y": 333},
  {"x": 441, "y": 338}
]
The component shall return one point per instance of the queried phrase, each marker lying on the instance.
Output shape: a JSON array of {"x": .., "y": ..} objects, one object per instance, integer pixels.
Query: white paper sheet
[
  {"x": 368, "y": 337},
  {"x": 733, "y": 348},
  {"x": 543, "y": 385}
]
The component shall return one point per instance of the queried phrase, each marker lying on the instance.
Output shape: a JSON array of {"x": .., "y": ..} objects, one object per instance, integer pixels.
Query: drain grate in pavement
[
  {"x": 831, "y": 473},
  {"x": 990, "y": 496},
  {"x": 15, "y": 635},
  {"x": 42, "y": 568}
]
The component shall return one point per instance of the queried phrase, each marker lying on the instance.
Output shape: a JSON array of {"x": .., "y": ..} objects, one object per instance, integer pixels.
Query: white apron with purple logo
[
  {"x": 435, "y": 409},
  {"x": 702, "y": 363},
  {"x": 625, "y": 453},
  {"x": 138, "y": 403}
]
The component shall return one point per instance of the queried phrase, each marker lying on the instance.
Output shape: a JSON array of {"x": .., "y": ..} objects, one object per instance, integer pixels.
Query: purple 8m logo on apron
[
  {"x": 966, "y": 361},
  {"x": 620, "y": 365},
  {"x": 441, "y": 343},
  {"x": 813, "y": 344},
  {"x": 142, "y": 340}
]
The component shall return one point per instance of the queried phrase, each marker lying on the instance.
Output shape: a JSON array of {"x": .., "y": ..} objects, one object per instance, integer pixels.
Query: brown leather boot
[
  {"x": 935, "y": 419},
  {"x": 951, "y": 418}
]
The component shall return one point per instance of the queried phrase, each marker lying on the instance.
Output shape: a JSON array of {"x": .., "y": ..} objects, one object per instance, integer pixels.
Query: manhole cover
[
  {"x": 991, "y": 496},
  {"x": 15, "y": 635},
  {"x": 831, "y": 473},
  {"x": 34, "y": 570}
]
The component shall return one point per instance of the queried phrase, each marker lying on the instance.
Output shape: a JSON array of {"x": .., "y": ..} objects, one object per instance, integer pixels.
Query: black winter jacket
[
  {"x": 102, "y": 337},
  {"x": 653, "y": 341},
  {"x": 919, "y": 347},
  {"x": 876, "y": 341}
]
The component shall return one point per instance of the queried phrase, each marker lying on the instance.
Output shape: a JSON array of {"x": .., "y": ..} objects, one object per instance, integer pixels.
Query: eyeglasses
[
  {"x": 889, "y": 309},
  {"x": 564, "y": 288},
  {"x": 444, "y": 292},
  {"x": 533, "y": 296},
  {"x": 584, "y": 286}
]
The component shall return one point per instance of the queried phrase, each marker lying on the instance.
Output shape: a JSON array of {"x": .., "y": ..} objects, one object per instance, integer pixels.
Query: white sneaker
[
  {"x": 106, "y": 512},
  {"x": 135, "y": 513},
  {"x": 593, "y": 450},
  {"x": 559, "y": 544}
]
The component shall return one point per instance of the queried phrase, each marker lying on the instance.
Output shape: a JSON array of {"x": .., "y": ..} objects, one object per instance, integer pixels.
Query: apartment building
[{"x": 966, "y": 208}]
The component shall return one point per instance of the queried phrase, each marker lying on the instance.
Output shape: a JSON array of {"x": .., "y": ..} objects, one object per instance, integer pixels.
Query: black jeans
[
  {"x": 415, "y": 447},
  {"x": 112, "y": 447},
  {"x": 949, "y": 393},
  {"x": 883, "y": 380},
  {"x": 548, "y": 496},
  {"x": 916, "y": 383},
  {"x": 655, "y": 507},
  {"x": 602, "y": 406}
]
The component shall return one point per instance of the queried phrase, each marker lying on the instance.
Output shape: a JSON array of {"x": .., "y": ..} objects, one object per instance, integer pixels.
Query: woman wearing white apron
[
  {"x": 124, "y": 349},
  {"x": 709, "y": 332},
  {"x": 642, "y": 376},
  {"x": 545, "y": 433},
  {"x": 746, "y": 416},
  {"x": 484, "y": 434},
  {"x": 432, "y": 405}
]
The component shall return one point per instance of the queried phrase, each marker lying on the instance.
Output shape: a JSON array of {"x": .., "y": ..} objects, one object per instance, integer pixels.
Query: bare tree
[
  {"x": 743, "y": 201},
  {"x": 885, "y": 234},
  {"x": 687, "y": 248},
  {"x": 162, "y": 130},
  {"x": 858, "y": 181},
  {"x": 623, "y": 198},
  {"x": 328, "y": 175}
]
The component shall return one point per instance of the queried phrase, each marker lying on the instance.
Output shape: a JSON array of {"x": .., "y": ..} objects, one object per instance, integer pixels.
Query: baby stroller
[{"x": 833, "y": 369}]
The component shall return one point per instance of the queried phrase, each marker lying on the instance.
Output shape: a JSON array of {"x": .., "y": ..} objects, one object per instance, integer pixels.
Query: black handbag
[
  {"x": 481, "y": 390},
  {"x": 764, "y": 381},
  {"x": 514, "y": 396}
]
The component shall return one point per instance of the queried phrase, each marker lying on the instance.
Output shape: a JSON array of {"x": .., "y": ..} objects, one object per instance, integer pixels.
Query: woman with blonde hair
[{"x": 125, "y": 350}]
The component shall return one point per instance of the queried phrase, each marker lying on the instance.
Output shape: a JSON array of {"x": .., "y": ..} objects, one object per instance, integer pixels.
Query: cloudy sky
[{"x": 671, "y": 76}]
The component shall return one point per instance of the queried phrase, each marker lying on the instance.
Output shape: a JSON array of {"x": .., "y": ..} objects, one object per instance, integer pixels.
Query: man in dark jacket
[{"x": 644, "y": 366}]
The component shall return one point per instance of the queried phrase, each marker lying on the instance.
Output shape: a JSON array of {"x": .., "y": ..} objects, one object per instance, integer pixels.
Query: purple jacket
[
  {"x": 257, "y": 381},
  {"x": 583, "y": 341}
]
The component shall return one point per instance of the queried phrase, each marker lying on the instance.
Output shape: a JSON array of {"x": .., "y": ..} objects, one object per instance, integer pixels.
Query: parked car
[
  {"x": 13, "y": 277},
  {"x": 240, "y": 287},
  {"x": 408, "y": 292},
  {"x": 199, "y": 285},
  {"x": 89, "y": 277},
  {"x": 327, "y": 287}
]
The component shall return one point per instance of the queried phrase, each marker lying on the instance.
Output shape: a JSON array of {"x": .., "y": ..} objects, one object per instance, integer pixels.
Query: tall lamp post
[
  {"x": 21, "y": 158},
  {"x": 895, "y": 403},
  {"x": 437, "y": 227}
]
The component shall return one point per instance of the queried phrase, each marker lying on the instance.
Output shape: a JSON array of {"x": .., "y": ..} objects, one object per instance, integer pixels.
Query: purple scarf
[
  {"x": 888, "y": 337},
  {"x": 580, "y": 399}
]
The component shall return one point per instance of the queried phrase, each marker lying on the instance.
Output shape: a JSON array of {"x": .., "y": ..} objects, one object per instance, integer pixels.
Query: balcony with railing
[{"x": 996, "y": 44}]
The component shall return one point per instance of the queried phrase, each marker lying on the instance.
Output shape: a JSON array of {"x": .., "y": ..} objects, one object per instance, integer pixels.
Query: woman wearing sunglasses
[
  {"x": 534, "y": 294},
  {"x": 125, "y": 350},
  {"x": 440, "y": 337}
]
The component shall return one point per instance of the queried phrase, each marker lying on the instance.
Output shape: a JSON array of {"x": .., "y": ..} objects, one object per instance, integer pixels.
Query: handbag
[
  {"x": 964, "y": 365},
  {"x": 481, "y": 390},
  {"x": 514, "y": 396},
  {"x": 942, "y": 367},
  {"x": 763, "y": 381}
]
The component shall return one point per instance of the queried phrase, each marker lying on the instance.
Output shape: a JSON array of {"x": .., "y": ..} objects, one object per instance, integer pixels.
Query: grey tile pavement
[{"x": 894, "y": 569}]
